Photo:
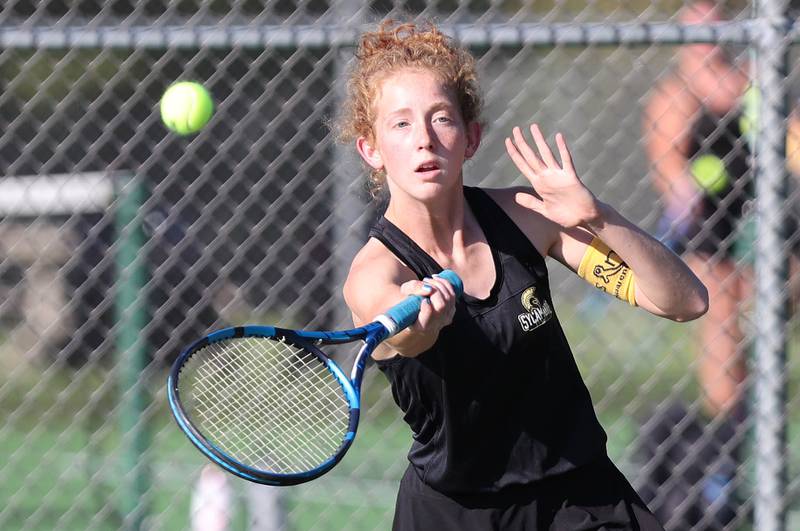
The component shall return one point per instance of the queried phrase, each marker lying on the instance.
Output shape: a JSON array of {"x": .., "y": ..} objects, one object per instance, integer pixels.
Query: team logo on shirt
[{"x": 536, "y": 312}]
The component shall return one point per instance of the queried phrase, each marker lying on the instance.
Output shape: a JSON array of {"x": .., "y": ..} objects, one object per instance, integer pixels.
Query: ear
[
  {"x": 473, "y": 138},
  {"x": 370, "y": 154}
]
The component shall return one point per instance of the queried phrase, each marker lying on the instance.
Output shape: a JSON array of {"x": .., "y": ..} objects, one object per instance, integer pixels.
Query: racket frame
[{"x": 372, "y": 334}]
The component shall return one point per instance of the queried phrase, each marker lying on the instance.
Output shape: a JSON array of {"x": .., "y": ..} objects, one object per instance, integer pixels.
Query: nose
[{"x": 424, "y": 137}]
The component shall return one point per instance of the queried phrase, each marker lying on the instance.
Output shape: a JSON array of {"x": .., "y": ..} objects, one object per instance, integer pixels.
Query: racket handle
[{"x": 404, "y": 313}]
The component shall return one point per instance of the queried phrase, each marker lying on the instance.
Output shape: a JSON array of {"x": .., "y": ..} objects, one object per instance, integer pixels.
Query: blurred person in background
[
  {"x": 699, "y": 122},
  {"x": 179, "y": 287},
  {"x": 700, "y": 164}
]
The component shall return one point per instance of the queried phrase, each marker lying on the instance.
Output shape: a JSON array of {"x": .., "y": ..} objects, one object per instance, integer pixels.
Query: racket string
[
  {"x": 253, "y": 433},
  {"x": 312, "y": 365},
  {"x": 269, "y": 405},
  {"x": 249, "y": 432}
]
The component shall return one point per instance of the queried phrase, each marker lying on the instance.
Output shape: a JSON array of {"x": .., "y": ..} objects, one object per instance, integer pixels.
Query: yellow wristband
[{"x": 604, "y": 269}]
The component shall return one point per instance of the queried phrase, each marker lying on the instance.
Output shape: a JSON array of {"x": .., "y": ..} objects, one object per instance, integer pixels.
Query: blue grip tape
[
  {"x": 406, "y": 311},
  {"x": 453, "y": 279}
]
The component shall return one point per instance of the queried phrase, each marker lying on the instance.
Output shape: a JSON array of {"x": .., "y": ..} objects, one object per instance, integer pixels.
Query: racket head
[{"x": 264, "y": 403}]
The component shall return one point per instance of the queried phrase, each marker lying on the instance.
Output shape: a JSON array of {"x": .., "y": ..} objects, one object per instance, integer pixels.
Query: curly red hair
[{"x": 394, "y": 46}]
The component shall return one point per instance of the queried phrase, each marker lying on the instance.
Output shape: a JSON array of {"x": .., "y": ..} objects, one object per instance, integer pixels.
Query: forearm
[
  {"x": 412, "y": 343},
  {"x": 407, "y": 343},
  {"x": 664, "y": 283}
]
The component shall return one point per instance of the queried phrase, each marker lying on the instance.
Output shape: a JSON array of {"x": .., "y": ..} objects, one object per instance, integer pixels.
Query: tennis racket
[{"x": 267, "y": 405}]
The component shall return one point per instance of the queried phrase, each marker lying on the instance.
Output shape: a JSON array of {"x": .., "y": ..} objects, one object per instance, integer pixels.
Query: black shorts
[{"x": 596, "y": 496}]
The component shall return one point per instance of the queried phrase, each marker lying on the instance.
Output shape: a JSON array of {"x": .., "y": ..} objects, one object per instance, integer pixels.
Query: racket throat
[
  {"x": 360, "y": 364},
  {"x": 389, "y": 324}
]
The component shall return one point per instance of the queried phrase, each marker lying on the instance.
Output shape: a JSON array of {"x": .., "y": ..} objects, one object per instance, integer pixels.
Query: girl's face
[{"x": 420, "y": 139}]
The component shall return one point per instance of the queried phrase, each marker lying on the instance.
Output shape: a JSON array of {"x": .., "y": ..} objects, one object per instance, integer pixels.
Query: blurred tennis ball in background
[
  {"x": 748, "y": 120},
  {"x": 709, "y": 172},
  {"x": 186, "y": 107}
]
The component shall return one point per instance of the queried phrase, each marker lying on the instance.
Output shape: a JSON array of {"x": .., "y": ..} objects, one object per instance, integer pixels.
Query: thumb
[
  {"x": 530, "y": 201},
  {"x": 415, "y": 287}
]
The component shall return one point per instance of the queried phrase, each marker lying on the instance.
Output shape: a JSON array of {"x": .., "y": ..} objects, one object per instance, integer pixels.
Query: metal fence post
[
  {"x": 131, "y": 319},
  {"x": 348, "y": 208},
  {"x": 771, "y": 270}
]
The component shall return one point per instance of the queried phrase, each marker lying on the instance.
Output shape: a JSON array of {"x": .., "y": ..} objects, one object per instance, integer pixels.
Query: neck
[{"x": 437, "y": 226}]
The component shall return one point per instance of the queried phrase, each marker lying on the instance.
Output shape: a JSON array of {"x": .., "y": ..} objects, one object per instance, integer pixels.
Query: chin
[
  {"x": 431, "y": 190},
  {"x": 426, "y": 188}
]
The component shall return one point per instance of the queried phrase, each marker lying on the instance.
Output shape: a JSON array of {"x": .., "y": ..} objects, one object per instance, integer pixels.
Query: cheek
[
  {"x": 454, "y": 131},
  {"x": 455, "y": 140},
  {"x": 392, "y": 147},
  {"x": 388, "y": 156}
]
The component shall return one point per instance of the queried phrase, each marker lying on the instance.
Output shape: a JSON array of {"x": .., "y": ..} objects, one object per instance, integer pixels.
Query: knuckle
[{"x": 411, "y": 284}]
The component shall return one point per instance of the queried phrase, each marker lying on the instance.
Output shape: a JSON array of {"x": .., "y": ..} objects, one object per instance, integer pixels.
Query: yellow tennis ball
[
  {"x": 186, "y": 107},
  {"x": 710, "y": 173}
]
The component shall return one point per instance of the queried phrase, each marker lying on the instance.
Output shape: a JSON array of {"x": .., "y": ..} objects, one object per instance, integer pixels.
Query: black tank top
[
  {"x": 498, "y": 400},
  {"x": 721, "y": 138}
]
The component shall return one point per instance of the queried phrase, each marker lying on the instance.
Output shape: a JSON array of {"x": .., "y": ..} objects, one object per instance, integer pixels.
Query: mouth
[{"x": 427, "y": 167}]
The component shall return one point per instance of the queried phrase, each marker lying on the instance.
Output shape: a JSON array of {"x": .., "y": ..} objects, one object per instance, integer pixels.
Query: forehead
[{"x": 411, "y": 86}]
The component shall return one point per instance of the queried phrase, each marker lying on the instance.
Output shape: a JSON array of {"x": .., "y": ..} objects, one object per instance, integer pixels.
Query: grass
[{"x": 63, "y": 466}]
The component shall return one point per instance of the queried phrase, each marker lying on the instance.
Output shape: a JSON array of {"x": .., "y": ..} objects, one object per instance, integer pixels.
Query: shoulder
[
  {"x": 541, "y": 231},
  {"x": 373, "y": 272},
  {"x": 669, "y": 95},
  {"x": 668, "y": 117}
]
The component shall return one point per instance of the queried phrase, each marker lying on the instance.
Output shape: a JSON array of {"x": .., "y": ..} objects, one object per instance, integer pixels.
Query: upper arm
[
  {"x": 667, "y": 121},
  {"x": 371, "y": 286},
  {"x": 373, "y": 283}
]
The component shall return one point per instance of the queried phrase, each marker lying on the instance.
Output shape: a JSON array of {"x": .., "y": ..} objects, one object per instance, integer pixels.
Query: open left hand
[{"x": 558, "y": 193}]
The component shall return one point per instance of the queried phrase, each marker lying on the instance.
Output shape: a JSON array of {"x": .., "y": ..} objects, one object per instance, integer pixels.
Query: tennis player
[{"x": 505, "y": 434}]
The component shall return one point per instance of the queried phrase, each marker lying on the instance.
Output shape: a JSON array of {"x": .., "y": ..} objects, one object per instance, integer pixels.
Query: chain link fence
[{"x": 120, "y": 242}]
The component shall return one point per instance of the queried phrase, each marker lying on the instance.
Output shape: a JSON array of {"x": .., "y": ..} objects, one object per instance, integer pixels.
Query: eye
[
  {"x": 442, "y": 119},
  {"x": 401, "y": 123}
]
